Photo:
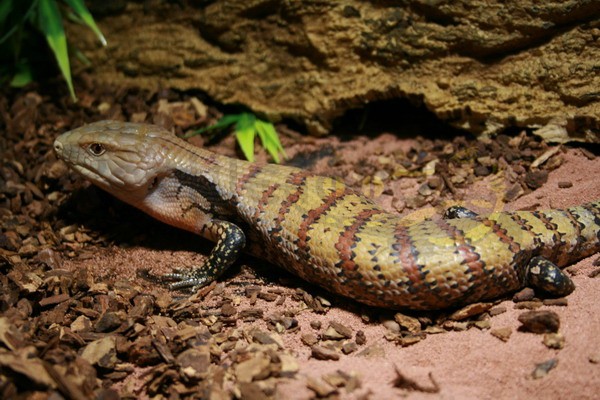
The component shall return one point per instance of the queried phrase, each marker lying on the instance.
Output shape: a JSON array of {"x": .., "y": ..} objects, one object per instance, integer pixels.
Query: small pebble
[
  {"x": 482, "y": 170},
  {"x": 361, "y": 338},
  {"x": 513, "y": 193},
  {"x": 469, "y": 311},
  {"x": 497, "y": 311},
  {"x": 321, "y": 389},
  {"x": 535, "y": 179},
  {"x": 349, "y": 347},
  {"x": 502, "y": 333},
  {"x": 322, "y": 353},
  {"x": 341, "y": 329},
  {"x": 309, "y": 339},
  {"x": 554, "y": 340},
  {"x": 408, "y": 323},
  {"x": 525, "y": 294},
  {"x": 560, "y": 302},
  {"x": 542, "y": 369},
  {"x": 565, "y": 184},
  {"x": 539, "y": 321},
  {"x": 528, "y": 305},
  {"x": 391, "y": 326}
]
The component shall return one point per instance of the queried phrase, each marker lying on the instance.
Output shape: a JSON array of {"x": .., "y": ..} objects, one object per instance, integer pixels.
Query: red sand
[{"x": 471, "y": 364}]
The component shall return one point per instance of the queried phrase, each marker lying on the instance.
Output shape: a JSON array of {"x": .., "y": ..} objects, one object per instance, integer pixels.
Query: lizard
[{"x": 325, "y": 232}]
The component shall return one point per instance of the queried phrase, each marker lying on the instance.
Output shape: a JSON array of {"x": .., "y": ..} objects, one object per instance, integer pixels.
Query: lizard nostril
[{"x": 58, "y": 146}]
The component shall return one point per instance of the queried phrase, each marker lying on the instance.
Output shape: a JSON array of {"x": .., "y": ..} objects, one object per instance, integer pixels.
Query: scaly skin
[{"x": 324, "y": 232}]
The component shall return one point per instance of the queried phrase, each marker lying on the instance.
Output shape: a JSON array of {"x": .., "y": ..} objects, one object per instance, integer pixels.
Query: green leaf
[
  {"x": 245, "y": 132},
  {"x": 82, "y": 11},
  {"x": 5, "y": 9},
  {"x": 247, "y": 126},
  {"x": 222, "y": 123},
  {"x": 23, "y": 76},
  {"x": 18, "y": 12},
  {"x": 270, "y": 140},
  {"x": 81, "y": 57},
  {"x": 50, "y": 24}
]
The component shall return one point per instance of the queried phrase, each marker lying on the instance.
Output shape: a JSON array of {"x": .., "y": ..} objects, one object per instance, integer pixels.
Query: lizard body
[{"x": 325, "y": 232}]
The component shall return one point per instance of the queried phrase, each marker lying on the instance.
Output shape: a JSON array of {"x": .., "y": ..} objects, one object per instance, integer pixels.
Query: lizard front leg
[{"x": 230, "y": 242}]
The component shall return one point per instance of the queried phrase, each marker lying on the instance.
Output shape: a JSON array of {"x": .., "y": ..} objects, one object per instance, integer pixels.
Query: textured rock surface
[{"x": 479, "y": 65}]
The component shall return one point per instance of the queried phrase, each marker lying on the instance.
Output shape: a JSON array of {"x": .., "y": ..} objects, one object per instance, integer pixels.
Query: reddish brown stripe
[
  {"x": 252, "y": 172},
  {"x": 513, "y": 245},
  {"x": 554, "y": 248},
  {"x": 407, "y": 254},
  {"x": 523, "y": 223},
  {"x": 297, "y": 179},
  {"x": 313, "y": 215},
  {"x": 264, "y": 200},
  {"x": 347, "y": 239},
  {"x": 551, "y": 226},
  {"x": 594, "y": 209},
  {"x": 575, "y": 223},
  {"x": 470, "y": 257},
  {"x": 575, "y": 217}
]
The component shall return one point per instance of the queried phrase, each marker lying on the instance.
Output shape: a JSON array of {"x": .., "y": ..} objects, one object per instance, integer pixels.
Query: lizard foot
[
  {"x": 192, "y": 280},
  {"x": 458, "y": 212},
  {"x": 546, "y": 276}
]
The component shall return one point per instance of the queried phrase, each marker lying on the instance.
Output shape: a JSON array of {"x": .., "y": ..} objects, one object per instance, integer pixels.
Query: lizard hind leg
[
  {"x": 230, "y": 242},
  {"x": 545, "y": 275}
]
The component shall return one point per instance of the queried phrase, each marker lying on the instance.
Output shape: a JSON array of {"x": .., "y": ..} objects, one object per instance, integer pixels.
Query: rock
[
  {"x": 554, "y": 340},
  {"x": 565, "y": 184},
  {"x": 528, "y": 305},
  {"x": 361, "y": 339},
  {"x": 535, "y": 179},
  {"x": 502, "y": 333},
  {"x": 322, "y": 353},
  {"x": 256, "y": 367},
  {"x": 349, "y": 347},
  {"x": 482, "y": 170},
  {"x": 469, "y": 311},
  {"x": 544, "y": 368},
  {"x": 322, "y": 389},
  {"x": 337, "y": 331},
  {"x": 391, "y": 326},
  {"x": 257, "y": 59},
  {"x": 525, "y": 294},
  {"x": 497, "y": 310},
  {"x": 408, "y": 323},
  {"x": 539, "y": 321},
  {"x": 559, "y": 302},
  {"x": 316, "y": 325},
  {"x": 309, "y": 339}
]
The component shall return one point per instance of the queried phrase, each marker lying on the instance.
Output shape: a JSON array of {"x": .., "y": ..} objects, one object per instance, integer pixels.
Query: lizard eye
[{"x": 96, "y": 149}]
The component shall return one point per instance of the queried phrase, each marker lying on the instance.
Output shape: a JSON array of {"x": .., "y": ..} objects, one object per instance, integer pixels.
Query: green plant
[
  {"x": 20, "y": 19},
  {"x": 247, "y": 126}
]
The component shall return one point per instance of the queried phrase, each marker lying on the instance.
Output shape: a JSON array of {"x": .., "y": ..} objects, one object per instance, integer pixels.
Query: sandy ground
[
  {"x": 474, "y": 364},
  {"x": 470, "y": 364}
]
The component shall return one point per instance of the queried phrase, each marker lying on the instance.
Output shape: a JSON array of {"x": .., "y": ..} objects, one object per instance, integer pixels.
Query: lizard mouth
[{"x": 92, "y": 175}]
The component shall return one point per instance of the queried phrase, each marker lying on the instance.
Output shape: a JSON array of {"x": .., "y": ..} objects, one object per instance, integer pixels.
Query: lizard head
[{"x": 121, "y": 158}]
